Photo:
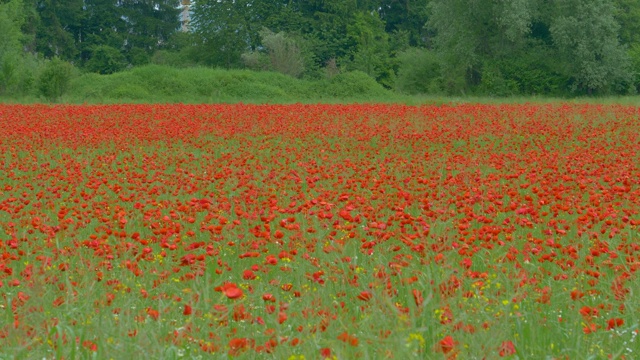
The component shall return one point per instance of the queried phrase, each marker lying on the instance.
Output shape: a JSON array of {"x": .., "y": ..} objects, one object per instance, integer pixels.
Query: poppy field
[{"x": 320, "y": 231}]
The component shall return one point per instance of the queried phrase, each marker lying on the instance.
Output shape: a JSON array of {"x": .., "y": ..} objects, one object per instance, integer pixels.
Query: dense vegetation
[
  {"x": 454, "y": 47},
  {"x": 155, "y": 83}
]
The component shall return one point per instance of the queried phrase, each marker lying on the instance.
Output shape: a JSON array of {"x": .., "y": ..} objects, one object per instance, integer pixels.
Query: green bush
[
  {"x": 138, "y": 57},
  {"x": 19, "y": 74},
  {"x": 155, "y": 83},
  {"x": 634, "y": 57},
  {"x": 354, "y": 84},
  {"x": 534, "y": 72},
  {"x": 54, "y": 79},
  {"x": 160, "y": 80},
  {"x": 128, "y": 91},
  {"x": 9, "y": 65},
  {"x": 419, "y": 72},
  {"x": 106, "y": 60},
  {"x": 493, "y": 83},
  {"x": 281, "y": 53}
]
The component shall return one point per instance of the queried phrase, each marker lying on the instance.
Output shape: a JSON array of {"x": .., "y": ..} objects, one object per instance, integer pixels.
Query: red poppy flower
[
  {"x": 614, "y": 323},
  {"x": 507, "y": 348},
  {"x": 233, "y": 293},
  {"x": 231, "y": 290},
  {"x": 187, "y": 310},
  {"x": 325, "y": 353},
  {"x": 365, "y": 296},
  {"x": 447, "y": 344}
]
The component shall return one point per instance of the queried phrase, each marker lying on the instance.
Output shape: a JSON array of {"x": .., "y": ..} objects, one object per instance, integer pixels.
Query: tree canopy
[{"x": 492, "y": 47}]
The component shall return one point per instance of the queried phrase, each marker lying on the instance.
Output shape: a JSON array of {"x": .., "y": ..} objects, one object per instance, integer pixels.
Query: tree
[
  {"x": 371, "y": 53},
  {"x": 627, "y": 14},
  {"x": 284, "y": 53},
  {"x": 585, "y": 35},
  {"x": 226, "y": 31},
  {"x": 472, "y": 34},
  {"x": 419, "y": 71},
  {"x": 11, "y": 20},
  {"x": 11, "y": 52},
  {"x": 106, "y": 60},
  {"x": 58, "y": 31},
  {"x": 148, "y": 24},
  {"x": 408, "y": 16}
]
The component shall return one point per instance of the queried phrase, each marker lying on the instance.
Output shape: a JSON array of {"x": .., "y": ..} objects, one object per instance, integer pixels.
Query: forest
[{"x": 451, "y": 47}]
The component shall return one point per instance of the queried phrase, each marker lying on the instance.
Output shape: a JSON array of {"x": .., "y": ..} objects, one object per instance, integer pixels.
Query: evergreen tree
[
  {"x": 148, "y": 24},
  {"x": 58, "y": 30}
]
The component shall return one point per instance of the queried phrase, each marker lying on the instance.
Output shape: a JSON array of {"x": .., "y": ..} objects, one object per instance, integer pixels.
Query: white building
[{"x": 185, "y": 15}]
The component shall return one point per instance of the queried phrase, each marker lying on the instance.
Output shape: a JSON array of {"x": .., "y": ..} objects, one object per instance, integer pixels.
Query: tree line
[{"x": 484, "y": 47}]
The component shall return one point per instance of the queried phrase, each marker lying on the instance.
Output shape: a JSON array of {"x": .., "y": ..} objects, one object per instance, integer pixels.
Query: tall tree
[
  {"x": 16, "y": 71},
  {"x": 59, "y": 28},
  {"x": 226, "y": 30},
  {"x": 371, "y": 53},
  {"x": 148, "y": 24},
  {"x": 585, "y": 34},
  {"x": 628, "y": 16},
  {"x": 409, "y": 16},
  {"x": 11, "y": 20},
  {"x": 470, "y": 34},
  {"x": 488, "y": 44}
]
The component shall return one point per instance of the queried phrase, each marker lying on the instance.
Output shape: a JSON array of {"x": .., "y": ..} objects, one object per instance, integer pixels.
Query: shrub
[
  {"x": 54, "y": 80},
  {"x": 634, "y": 56},
  {"x": 282, "y": 55},
  {"x": 106, "y": 60},
  {"x": 156, "y": 83},
  {"x": 354, "y": 84},
  {"x": 127, "y": 91},
  {"x": 493, "y": 83},
  {"x": 257, "y": 61},
  {"x": 419, "y": 72},
  {"x": 138, "y": 57}
]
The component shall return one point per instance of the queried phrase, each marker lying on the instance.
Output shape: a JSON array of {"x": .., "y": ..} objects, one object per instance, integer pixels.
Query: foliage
[
  {"x": 54, "y": 80},
  {"x": 471, "y": 35},
  {"x": 73, "y": 29},
  {"x": 486, "y": 42},
  {"x": 409, "y": 17},
  {"x": 256, "y": 60},
  {"x": 284, "y": 53},
  {"x": 226, "y": 29},
  {"x": 59, "y": 25},
  {"x": 106, "y": 60},
  {"x": 18, "y": 69},
  {"x": 198, "y": 84},
  {"x": 148, "y": 25},
  {"x": 627, "y": 14},
  {"x": 352, "y": 84},
  {"x": 634, "y": 57},
  {"x": 11, "y": 20},
  {"x": 585, "y": 34},
  {"x": 419, "y": 72},
  {"x": 281, "y": 53},
  {"x": 371, "y": 53},
  {"x": 482, "y": 47}
]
